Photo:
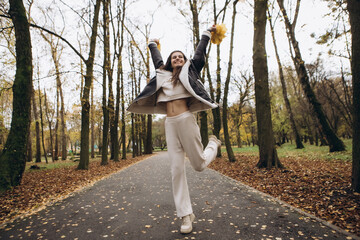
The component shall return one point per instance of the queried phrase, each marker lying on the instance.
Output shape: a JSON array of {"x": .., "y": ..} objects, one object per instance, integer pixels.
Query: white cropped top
[{"x": 168, "y": 91}]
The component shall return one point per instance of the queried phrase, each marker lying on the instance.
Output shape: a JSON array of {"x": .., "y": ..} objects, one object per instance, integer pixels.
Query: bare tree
[
  {"x": 42, "y": 124},
  {"x": 37, "y": 129},
  {"x": 244, "y": 86},
  {"x": 49, "y": 120},
  {"x": 85, "y": 111},
  {"x": 229, "y": 150},
  {"x": 145, "y": 56},
  {"x": 216, "y": 93},
  {"x": 56, "y": 54},
  {"x": 299, "y": 144},
  {"x": 267, "y": 150},
  {"x": 120, "y": 84},
  {"x": 106, "y": 66}
]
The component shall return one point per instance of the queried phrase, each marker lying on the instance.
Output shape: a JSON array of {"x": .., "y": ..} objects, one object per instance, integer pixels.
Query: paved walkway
[{"x": 136, "y": 203}]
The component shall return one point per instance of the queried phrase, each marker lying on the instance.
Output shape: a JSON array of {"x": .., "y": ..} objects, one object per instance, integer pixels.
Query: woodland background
[
  {"x": 59, "y": 72},
  {"x": 286, "y": 74}
]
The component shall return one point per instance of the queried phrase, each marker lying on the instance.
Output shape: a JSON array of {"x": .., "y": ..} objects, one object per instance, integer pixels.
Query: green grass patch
[
  {"x": 310, "y": 151},
  {"x": 69, "y": 162}
]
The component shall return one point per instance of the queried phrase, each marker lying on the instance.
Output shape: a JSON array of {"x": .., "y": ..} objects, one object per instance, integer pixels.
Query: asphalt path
[{"x": 136, "y": 203}]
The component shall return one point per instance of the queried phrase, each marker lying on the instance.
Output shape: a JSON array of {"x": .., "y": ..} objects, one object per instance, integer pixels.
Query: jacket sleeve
[
  {"x": 200, "y": 52},
  {"x": 155, "y": 55}
]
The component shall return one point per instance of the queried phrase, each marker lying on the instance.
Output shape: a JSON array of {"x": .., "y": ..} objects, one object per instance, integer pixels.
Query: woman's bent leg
[
  {"x": 191, "y": 142},
  {"x": 179, "y": 182}
]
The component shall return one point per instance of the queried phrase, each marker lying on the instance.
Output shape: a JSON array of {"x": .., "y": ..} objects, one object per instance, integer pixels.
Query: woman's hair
[{"x": 176, "y": 71}]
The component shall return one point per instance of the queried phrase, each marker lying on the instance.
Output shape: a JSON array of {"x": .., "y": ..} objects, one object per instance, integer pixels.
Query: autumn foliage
[{"x": 319, "y": 187}]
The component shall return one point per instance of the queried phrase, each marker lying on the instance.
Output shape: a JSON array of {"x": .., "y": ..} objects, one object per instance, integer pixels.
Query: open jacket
[{"x": 189, "y": 77}]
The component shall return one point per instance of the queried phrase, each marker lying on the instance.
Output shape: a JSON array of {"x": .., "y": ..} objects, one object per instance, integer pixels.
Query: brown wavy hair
[{"x": 175, "y": 71}]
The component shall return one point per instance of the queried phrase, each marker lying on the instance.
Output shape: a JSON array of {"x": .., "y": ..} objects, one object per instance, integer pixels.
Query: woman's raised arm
[
  {"x": 200, "y": 52},
  {"x": 155, "y": 53}
]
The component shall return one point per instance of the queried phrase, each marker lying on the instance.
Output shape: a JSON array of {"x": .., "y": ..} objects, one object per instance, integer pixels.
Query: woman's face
[{"x": 177, "y": 59}]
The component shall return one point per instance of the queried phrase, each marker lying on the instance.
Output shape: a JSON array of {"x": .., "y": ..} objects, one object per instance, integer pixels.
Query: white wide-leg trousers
[{"x": 183, "y": 136}]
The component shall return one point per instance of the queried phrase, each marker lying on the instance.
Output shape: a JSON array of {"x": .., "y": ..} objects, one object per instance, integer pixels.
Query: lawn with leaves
[
  {"x": 313, "y": 180},
  {"x": 52, "y": 182}
]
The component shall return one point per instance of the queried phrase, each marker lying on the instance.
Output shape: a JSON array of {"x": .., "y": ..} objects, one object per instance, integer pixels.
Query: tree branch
[{"x": 57, "y": 35}]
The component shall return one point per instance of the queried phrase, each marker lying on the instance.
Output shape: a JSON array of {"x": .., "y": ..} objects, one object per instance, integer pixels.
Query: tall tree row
[
  {"x": 13, "y": 156},
  {"x": 335, "y": 144}
]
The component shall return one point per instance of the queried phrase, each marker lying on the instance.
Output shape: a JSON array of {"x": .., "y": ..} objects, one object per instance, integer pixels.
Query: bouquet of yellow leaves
[{"x": 219, "y": 34}]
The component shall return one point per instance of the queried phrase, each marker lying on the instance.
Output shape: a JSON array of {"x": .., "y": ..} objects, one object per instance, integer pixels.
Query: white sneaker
[
  {"x": 214, "y": 138},
  {"x": 186, "y": 226}
]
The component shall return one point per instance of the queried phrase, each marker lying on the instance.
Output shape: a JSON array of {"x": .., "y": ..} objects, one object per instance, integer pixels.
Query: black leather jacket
[{"x": 146, "y": 103}]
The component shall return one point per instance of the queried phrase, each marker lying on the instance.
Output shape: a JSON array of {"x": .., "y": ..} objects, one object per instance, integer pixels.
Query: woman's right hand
[
  {"x": 155, "y": 40},
  {"x": 212, "y": 28}
]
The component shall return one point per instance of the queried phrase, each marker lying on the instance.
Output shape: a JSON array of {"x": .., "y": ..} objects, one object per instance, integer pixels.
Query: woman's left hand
[{"x": 212, "y": 28}]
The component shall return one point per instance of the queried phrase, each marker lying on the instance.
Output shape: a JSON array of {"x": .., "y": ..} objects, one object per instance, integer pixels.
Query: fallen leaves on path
[
  {"x": 41, "y": 187},
  {"x": 319, "y": 187}
]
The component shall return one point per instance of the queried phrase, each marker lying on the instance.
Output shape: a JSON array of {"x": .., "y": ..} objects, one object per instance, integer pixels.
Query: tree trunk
[
  {"x": 122, "y": 97},
  {"x": 63, "y": 123},
  {"x": 111, "y": 107},
  {"x": 85, "y": 104},
  {"x": 335, "y": 143},
  {"x": 42, "y": 125},
  {"x": 92, "y": 122},
  {"x": 133, "y": 93},
  {"x": 216, "y": 112},
  {"x": 123, "y": 133},
  {"x": 196, "y": 37},
  {"x": 56, "y": 147},
  {"x": 148, "y": 146},
  {"x": 29, "y": 149},
  {"x": 229, "y": 150},
  {"x": 60, "y": 101},
  {"x": 37, "y": 129},
  {"x": 12, "y": 158},
  {"x": 299, "y": 144},
  {"x": 354, "y": 9},
  {"x": 119, "y": 77},
  {"x": 268, "y": 153},
  {"x": 105, "y": 106},
  {"x": 50, "y": 127},
  {"x": 117, "y": 110}
]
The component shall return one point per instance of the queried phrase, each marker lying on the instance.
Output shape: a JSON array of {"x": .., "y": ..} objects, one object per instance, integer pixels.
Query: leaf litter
[{"x": 319, "y": 187}]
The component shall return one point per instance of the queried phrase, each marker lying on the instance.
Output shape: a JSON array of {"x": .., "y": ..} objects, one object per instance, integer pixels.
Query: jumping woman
[{"x": 178, "y": 92}]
